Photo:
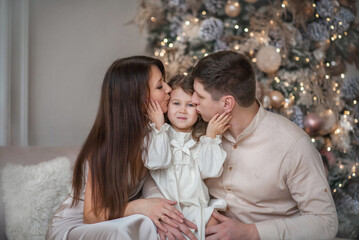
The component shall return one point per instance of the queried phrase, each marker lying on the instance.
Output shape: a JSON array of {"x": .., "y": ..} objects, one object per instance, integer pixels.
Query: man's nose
[{"x": 194, "y": 98}]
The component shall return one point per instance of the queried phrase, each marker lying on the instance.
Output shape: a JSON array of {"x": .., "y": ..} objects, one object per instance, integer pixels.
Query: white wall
[
  {"x": 71, "y": 44},
  {"x": 59, "y": 52}
]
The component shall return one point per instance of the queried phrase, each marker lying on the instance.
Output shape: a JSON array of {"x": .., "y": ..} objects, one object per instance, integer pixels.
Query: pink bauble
[{"x": 312, "y": 123}]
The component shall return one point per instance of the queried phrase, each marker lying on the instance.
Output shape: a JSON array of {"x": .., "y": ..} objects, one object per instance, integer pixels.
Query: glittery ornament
[
  {"x": 276, "y": 99},
  {"x": 211, "y": 29},
  {"x": 343, "y": 19},
  {"x": 220, "y": 45},
  {"x": 213, "y": 5},
  {"x": 318, "y": 31},
  {"x": 232, "y": 8},
  {"x": 326, "y": 8},
  {"x": 297, "y": 116},
  {"x": 329, "y": 122},
  {"x": 350, "y": 88},
  {"x": 179, "y": 5},
  {"x": 251, "y": 1},
  {"x": 312, "y": 123},
  {"x": 268, "y": 59}
]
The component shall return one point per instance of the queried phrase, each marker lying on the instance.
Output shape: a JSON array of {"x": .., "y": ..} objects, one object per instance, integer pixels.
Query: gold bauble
[
  {"x": 268, "y": 59},
  {"x": 329, "y": 122},
  {"x": 232, "y": 8},
  {"x": 276, "y": 99},
  {"x": 251, "y": 1}
]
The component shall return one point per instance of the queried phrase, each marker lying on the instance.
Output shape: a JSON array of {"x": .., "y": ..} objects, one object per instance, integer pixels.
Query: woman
[{"x": 109, "y": 172}]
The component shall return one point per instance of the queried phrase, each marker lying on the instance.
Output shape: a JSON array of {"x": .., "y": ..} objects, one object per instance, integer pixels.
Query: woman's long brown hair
[
  {"x": 186, "y": 83},
  {"x": 114, "y": 146}
]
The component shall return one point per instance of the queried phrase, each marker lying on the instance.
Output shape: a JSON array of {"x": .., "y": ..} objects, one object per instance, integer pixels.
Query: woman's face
[{"x": 159, "y": 89}]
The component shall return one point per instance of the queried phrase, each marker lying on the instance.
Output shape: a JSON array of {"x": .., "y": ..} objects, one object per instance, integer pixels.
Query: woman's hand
[
  {"x": 156, "y": 209},
  {"x": 218, "y": 124},
  {"x": 155, "y": 113},
  {"x": 177, "y": 233}
]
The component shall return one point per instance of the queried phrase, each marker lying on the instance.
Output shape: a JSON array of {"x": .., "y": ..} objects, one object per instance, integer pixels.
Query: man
[{"x": 273, "y": 179}]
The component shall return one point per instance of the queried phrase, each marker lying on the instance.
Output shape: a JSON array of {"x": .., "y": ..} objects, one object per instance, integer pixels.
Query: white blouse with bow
[{"x": 178, "y": 164}]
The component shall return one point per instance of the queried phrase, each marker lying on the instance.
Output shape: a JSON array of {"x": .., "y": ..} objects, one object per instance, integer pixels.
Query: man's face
[{"x": 206, "y": 106}]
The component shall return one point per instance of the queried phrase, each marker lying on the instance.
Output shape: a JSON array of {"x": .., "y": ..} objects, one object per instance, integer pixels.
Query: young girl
[{"x": 178, "y": 161}]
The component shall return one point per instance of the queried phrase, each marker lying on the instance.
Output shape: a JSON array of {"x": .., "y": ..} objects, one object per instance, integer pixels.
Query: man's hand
[
  {"x": 231, "y": 229},
  {"x": 212, "y": 221},
  {"x": 177, "y": 233}
]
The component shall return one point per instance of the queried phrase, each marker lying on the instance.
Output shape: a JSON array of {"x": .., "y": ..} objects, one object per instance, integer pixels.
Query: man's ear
[{"x": 228, "y": 103}]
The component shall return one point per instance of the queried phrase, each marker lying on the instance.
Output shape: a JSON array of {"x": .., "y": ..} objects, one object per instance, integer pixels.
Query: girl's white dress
[{"x": 178, "y": 164}]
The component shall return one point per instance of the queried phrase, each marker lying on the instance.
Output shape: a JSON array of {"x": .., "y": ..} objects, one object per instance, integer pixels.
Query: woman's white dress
[
  {"x": 178, "y": 164},
  {"x": 67, "y": 223}
]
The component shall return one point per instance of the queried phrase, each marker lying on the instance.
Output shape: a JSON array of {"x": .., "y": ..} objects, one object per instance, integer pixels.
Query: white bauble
[{"x": 268, "y": 59}]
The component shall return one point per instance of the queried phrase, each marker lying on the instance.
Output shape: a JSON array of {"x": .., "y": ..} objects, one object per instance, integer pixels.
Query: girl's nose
[{"x": 183, "y": 110}]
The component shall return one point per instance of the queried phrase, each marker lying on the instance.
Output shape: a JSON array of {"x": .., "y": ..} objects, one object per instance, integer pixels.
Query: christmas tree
[{"x": 299, "y": 49}]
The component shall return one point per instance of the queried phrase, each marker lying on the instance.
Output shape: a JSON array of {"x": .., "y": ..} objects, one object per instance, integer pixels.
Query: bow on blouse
[{"x": 185, "y": 148}]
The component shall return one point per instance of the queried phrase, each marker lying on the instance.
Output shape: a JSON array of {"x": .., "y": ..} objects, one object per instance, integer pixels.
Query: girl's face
[
  {"x": 159, "y": 89},
  {"x": 181, "y": 111}
]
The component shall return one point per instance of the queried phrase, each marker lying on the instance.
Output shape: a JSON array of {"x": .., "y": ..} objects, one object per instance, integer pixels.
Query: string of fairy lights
[{"x": 168, "y": 45}]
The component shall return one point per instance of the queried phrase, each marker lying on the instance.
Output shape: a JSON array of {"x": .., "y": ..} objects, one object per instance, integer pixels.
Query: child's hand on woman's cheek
[{"x": 155, "y": 113}]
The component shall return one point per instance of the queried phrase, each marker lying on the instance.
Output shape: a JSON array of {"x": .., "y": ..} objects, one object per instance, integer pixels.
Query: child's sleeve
[
  {"x": 211, "y": 157},
  {"x": 159, "y": 151}
]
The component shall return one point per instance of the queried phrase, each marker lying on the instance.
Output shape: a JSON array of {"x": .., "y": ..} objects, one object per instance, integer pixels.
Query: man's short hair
[{"x": 227, "y": 73}]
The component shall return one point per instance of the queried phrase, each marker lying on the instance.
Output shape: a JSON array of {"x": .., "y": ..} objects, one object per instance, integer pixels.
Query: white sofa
[{"x": 31, "y": 157}]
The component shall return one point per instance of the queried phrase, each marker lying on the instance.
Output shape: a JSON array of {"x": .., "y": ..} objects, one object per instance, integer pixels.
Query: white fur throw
[{"x": 31, "y": 194}]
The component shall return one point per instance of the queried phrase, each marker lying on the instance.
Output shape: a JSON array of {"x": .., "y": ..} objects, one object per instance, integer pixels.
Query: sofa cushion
[{"x": 31, "y": 194}]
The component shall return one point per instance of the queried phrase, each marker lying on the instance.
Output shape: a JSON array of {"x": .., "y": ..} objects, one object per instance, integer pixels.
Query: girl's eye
[
  {"x": 191, "y": 105},
  {"x": 176, "y": 103}
]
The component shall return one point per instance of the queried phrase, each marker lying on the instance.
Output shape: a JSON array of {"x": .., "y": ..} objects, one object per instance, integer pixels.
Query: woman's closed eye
[{"x": 159, "y": 87}]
